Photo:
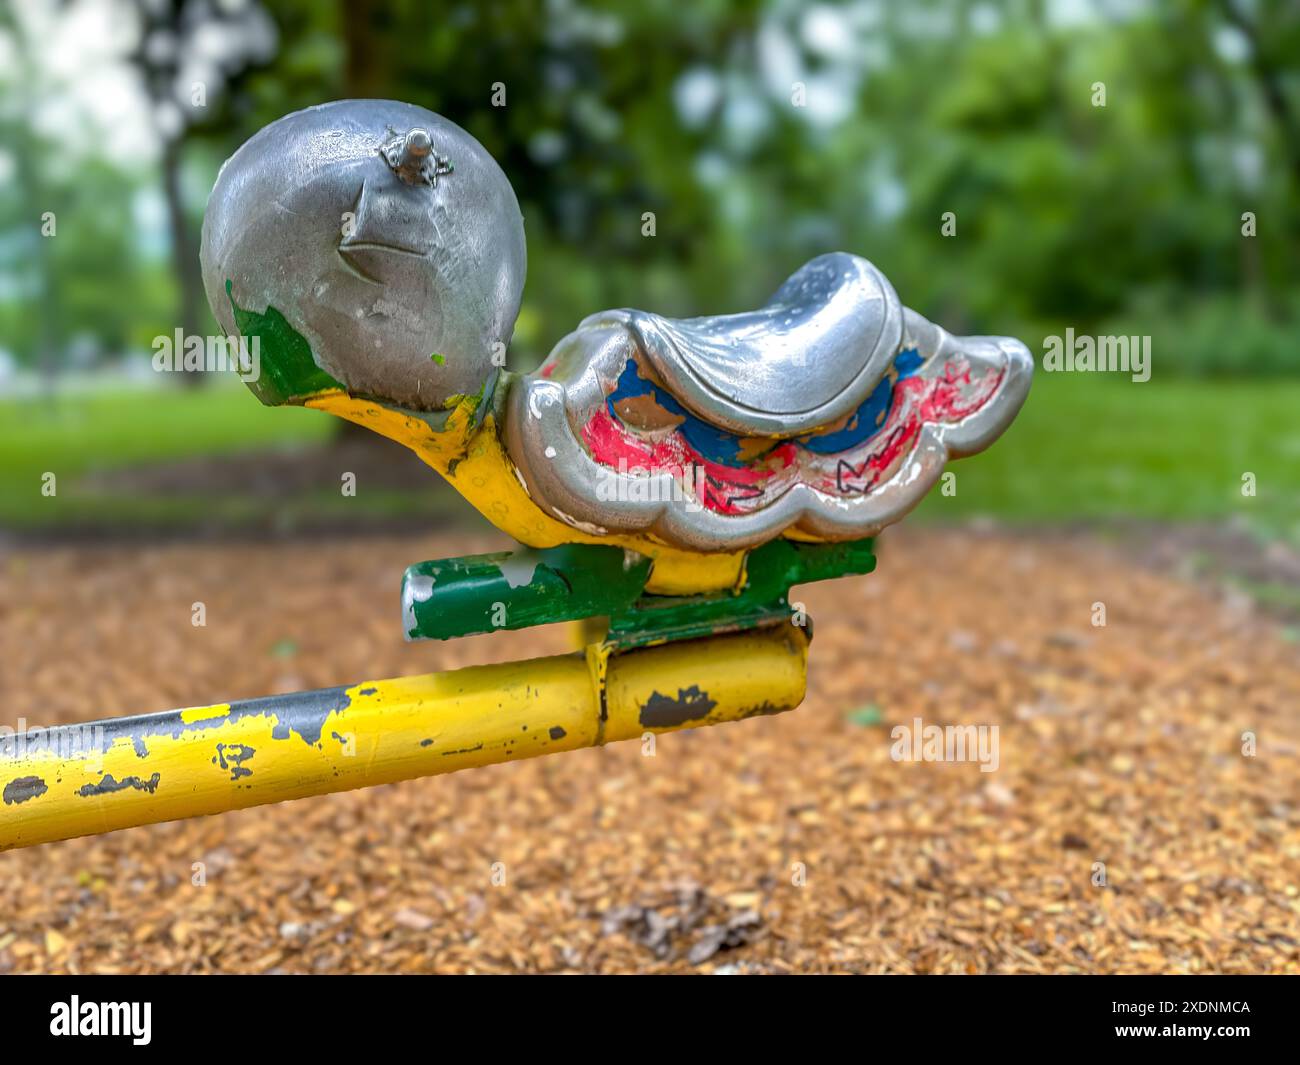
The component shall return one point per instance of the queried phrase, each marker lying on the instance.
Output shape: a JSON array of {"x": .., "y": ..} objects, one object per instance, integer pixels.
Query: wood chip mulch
[{"x": 1124, "y": 830}]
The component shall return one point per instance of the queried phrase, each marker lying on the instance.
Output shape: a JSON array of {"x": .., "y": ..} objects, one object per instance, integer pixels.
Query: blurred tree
[
  {"x": 761, "y": 132},
  {"x": 23, "y": 210},
  {"x": 189, "y": 53}
]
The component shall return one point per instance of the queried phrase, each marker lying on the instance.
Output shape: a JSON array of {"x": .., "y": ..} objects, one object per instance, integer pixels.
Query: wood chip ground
[{"x": 775, "y": 845}]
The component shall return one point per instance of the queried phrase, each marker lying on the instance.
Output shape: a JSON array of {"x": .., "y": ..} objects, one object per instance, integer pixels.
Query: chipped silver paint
[
  {"x": 417, "y": 588},
  {"x": 520, "y": 568}
]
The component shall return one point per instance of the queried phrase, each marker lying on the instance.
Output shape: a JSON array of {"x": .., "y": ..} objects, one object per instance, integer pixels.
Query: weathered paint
[
  {"x": 641, "y": 426},
  {"x": 690, "y": 704},
  {"x": 740, "y": 676},
  {"x": 381, "y": 731},
  {"x": 21, "y": 789},
  {"x": 453, "y": 597},
  {"x": 481, "y": 593},
  {"x": 110, "y": 784},
  {"x": 762, "y": 598},
  {"x": 288, "y": 369}
]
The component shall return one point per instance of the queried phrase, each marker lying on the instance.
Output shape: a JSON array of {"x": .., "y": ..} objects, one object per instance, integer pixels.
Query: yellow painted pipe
[{"x": 123, "y": 772}]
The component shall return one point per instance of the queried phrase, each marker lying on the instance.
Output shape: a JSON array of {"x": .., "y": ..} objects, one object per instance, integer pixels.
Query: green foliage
[
  {"x": 1066, "y": 212},
  {"x": 1217, "y": 336},
  {"x": 1123, "y": 219}
]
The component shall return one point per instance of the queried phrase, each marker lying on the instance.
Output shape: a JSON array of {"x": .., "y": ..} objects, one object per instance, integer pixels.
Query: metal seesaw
[{"x": 671, "y": 479}]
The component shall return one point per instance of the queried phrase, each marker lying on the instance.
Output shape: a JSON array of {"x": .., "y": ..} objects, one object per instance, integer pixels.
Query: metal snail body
[{"x": 379, "y": 250}]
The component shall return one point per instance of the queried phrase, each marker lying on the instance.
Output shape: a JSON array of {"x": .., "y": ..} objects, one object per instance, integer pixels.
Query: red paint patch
[
  {"x": 718, "y": 487},
  {"x": 917, "y": 401}
]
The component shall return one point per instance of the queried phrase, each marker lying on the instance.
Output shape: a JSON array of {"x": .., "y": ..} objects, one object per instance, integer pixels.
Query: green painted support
[{"x": 453, "y": 597}]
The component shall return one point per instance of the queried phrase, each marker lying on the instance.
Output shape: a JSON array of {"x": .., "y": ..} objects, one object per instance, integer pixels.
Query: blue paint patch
[
  {"x": 718, "y": 445},
  {"x": 871, "y": 416}
]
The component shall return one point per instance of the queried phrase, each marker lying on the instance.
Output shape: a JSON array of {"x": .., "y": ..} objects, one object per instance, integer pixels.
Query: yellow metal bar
[{"x": 122, "y": 772}]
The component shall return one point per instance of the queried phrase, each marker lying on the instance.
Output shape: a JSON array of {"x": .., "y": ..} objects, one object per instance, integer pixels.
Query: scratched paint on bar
[{"x": 206, "y": 760}]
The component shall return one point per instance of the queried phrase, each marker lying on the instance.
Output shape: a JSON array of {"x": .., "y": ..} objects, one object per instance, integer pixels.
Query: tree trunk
[{"x": 185, "y": 251}]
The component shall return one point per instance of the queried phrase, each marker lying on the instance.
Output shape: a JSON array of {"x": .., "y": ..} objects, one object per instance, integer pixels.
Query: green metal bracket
[
  {"x": 453, "y": 597},
  {"x": 476, "y": 594}
]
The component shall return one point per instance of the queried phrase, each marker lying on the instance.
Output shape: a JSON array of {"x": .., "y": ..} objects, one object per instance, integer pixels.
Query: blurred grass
[
  {"x": 1094, "y": 447},
  {"x": 1083, "y": 447},
  {"x": 74, "y": 436}
]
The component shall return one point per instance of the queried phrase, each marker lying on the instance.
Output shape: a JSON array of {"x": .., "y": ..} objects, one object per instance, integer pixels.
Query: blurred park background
[{"x": 761, "y": 133}]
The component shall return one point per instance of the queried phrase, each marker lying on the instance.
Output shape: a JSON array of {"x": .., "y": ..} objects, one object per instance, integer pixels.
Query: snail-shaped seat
[
  {"x": 807, "y": 358},
  {"x": 827, "y": 413}
]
